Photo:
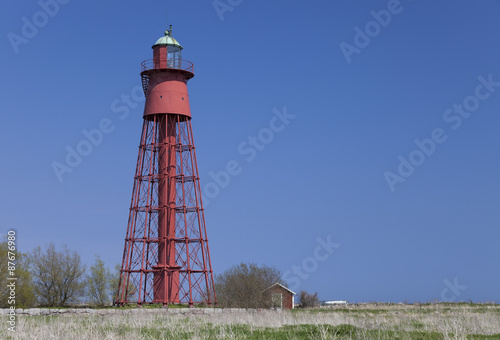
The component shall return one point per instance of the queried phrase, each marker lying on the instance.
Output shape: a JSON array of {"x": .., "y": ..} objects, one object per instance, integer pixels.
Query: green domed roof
[{"x": 168, "y": 40}]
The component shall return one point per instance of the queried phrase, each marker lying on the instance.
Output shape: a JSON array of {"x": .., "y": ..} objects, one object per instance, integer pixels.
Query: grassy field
[{"x": 367, "y": 321}]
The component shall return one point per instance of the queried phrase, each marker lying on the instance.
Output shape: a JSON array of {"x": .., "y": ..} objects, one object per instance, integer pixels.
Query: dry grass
[{"x": 371, "y": 322}]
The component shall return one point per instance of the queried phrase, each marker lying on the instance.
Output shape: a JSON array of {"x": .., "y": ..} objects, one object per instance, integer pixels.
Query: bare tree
[
  {"x": 98, "y": 284},
  {"x": 58, "y": 276},
  {"x": 243, "y": 285},
  {"x": 308, "y": 300}
]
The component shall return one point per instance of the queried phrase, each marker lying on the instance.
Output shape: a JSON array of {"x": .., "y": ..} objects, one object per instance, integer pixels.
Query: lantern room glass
[{"x": 174, "y": 56}]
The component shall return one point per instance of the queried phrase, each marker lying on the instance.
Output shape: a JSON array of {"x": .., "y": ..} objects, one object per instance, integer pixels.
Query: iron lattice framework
[{"x": 166, "y": 257}]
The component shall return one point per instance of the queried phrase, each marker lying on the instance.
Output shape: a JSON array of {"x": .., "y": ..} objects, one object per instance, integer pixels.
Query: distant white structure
[{"x": 335, "y": 303}]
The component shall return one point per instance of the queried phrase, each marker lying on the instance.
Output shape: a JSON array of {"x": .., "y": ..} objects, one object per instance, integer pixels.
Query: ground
[{"x": 364, "y": 321}]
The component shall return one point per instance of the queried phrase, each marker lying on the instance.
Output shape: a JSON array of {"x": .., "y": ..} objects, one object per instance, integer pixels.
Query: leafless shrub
[
  {"x": 243, "y": 285},
  {"x": 308, "y": 300}
]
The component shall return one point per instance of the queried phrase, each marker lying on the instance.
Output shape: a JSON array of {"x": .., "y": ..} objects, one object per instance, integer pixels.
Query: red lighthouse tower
[{"x": 166, "y": 258}]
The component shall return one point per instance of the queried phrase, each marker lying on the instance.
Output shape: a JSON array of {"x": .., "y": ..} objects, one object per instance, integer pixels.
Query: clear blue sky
[{"x": 429, "y": 233}]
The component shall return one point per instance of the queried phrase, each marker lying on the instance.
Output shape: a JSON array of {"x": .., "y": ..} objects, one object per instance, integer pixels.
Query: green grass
[
  {"x": 287, "y": 332},
  {"x": 305, "y": 331}
]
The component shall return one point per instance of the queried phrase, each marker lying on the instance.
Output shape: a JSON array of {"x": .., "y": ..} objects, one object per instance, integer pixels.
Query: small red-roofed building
[{"x": 281, "y": 296}]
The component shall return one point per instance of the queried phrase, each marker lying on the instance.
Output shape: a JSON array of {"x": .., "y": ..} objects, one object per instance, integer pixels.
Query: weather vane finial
[{"x": 169, "y": 31}]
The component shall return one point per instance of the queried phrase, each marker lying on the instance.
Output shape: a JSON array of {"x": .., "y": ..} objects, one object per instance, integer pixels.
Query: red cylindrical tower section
[
  {"x": 164, "y": 79},
  {"x": 167, "y": 93}
]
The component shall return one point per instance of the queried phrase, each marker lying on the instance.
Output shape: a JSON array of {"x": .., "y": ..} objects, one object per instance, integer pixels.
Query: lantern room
[{"x": 167, "y": 52}]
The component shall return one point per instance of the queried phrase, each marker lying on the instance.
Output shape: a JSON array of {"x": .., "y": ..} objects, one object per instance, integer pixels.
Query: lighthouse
[{"x": 166, "y": 258}]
